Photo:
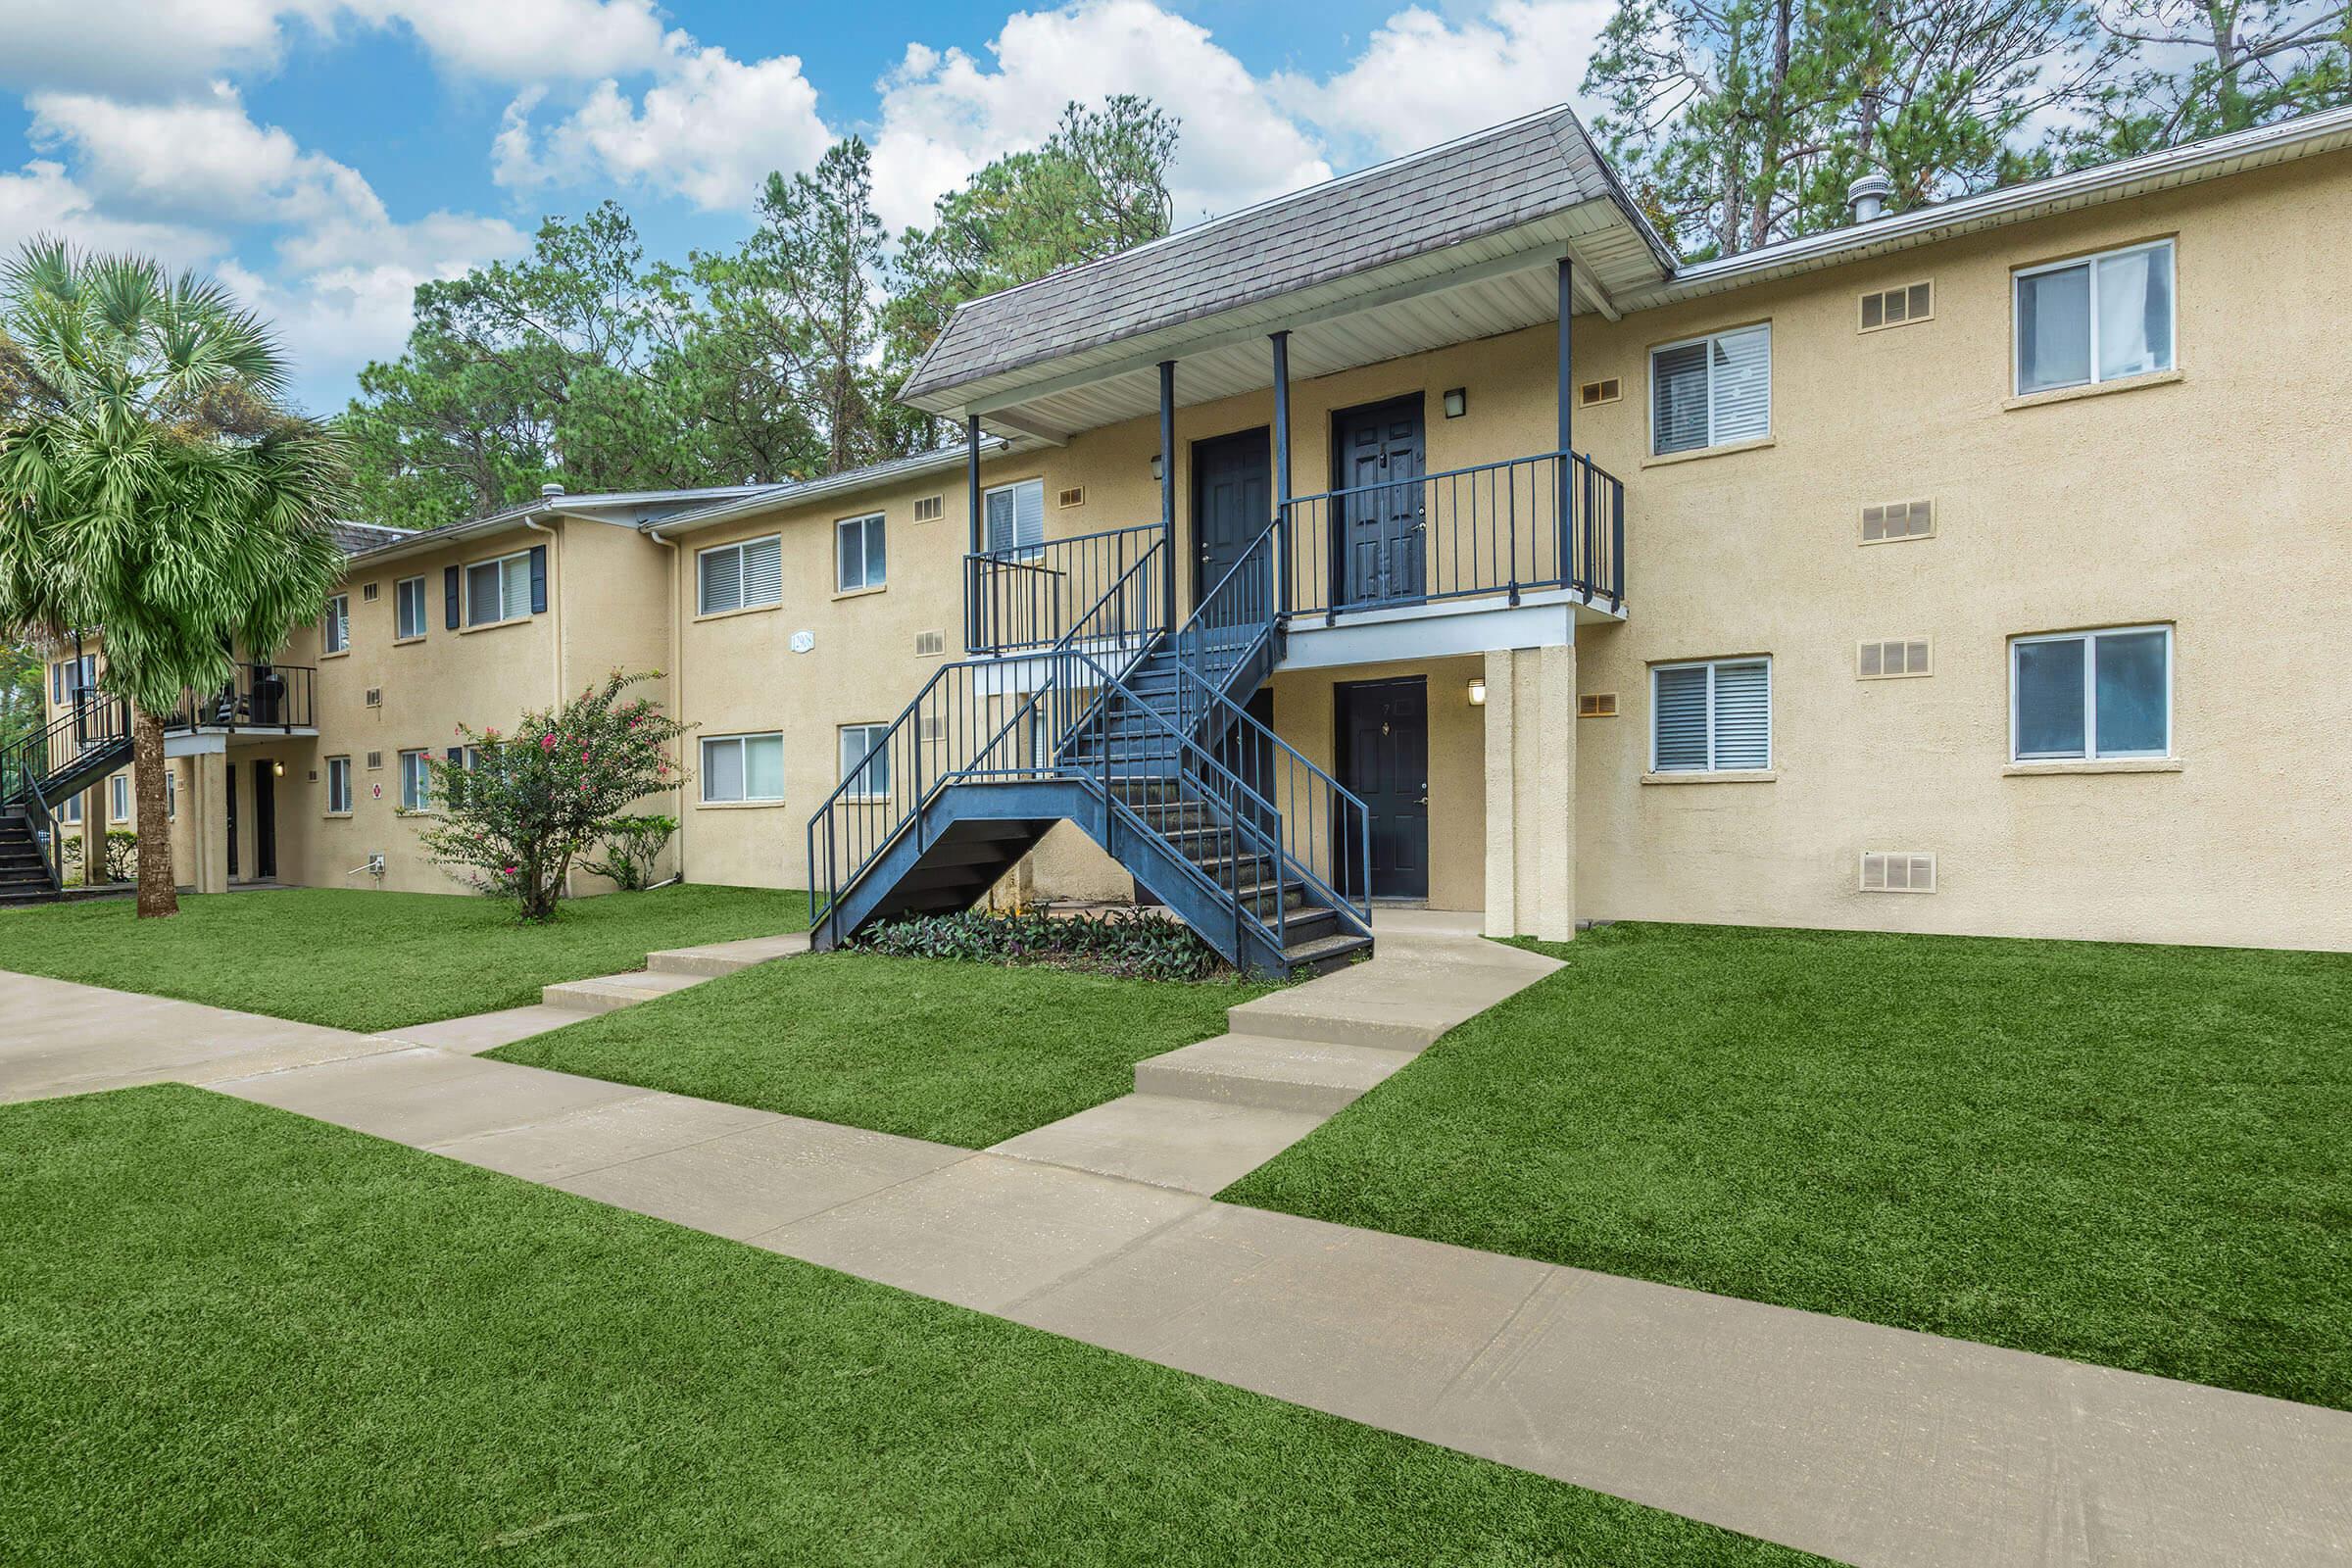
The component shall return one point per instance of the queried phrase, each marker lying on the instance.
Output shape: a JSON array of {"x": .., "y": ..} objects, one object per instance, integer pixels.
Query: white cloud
[
  {"x": 166, "y": 179},
  {"x": 1422, "y": 80},
  {"x": 197, "y": 157},
  {"x": 709, "y": 128},
  {"x": 946, "y": 114},
  {"x": 161, "y": 47},
  {"x": 41, "y": 198}
]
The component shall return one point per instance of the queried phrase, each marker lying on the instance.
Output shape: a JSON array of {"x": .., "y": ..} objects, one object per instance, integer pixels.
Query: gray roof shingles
[{"x": 1482, "y": 184}]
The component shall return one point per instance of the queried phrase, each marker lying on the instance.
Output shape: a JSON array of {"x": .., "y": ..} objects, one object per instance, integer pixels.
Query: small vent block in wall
[
  {"x": 1597, "y": 705},
  {"x": 1889, "y": 520},
  {"x": 1892, "y": 657},
  {"x": 376, "y": 761},
  {"x": 928, "y": 644},
  {"x": 1897, "y": 872},
  {"x": 376, "y": 697},
  {"x": 1898, "y": 306},
  {"x": 1074, "y": 495},
  {"x": 1594, "y": 393},
  {"x": 366, "y": 592},
  {"x": 930, "y": 508},
  {"x": 932, "y": 729}
]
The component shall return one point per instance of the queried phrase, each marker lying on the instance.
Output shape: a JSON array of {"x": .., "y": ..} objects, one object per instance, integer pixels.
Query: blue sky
[{"x": 325, "y": 156}]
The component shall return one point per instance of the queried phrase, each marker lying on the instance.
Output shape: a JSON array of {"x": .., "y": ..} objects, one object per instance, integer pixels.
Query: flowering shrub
[
  {"x": 533, "y": 802},
  {"x": 1138, "y": 946}
]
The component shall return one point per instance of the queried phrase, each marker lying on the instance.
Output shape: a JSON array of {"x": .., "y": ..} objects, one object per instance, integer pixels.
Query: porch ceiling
[{"x": 1498, "y": 284}]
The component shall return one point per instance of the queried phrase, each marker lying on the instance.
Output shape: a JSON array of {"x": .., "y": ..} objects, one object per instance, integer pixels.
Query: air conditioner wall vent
[{"x": 1897, "y": 872}]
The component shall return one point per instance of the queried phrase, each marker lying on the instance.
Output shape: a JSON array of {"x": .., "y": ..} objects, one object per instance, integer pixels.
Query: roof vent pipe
[
  {"x": 1867, "y": 196},
  {"x": 551, "y": 488}
]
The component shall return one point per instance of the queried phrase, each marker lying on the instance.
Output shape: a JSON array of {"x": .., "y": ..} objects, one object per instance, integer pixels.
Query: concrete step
[
  {"x": 1194, "y": 1145},
  {"x": 1268, "y": 1071},
  {"x": 1286, "y": 1016},
  {"x": 725, "y": 958},
  {"x": 612, "y": 991},
  {"x": 1323, "y": 954}
]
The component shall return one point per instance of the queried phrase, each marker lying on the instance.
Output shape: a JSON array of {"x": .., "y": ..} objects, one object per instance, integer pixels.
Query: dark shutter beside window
[
  {"x": 538, "y": 579},
  {"x": 449, "y": 597}
]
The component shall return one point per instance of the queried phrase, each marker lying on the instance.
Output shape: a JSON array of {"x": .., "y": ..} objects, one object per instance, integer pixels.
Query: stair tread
[{"x": 1322, "y": 947}]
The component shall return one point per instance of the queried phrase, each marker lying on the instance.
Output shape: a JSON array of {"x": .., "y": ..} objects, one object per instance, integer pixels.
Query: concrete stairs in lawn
[
  {"x": 671, "y": 970},
  {"x": 1204, "y": 1115}
]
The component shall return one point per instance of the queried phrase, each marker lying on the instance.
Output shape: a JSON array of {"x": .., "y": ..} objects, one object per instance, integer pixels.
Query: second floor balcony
[{"x": 1550, "y": 526}]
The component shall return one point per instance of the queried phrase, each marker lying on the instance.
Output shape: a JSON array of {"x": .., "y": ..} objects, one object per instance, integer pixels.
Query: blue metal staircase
[
  {"x": 38, "y": 775},
  {"x": 1137, "y": 735}
]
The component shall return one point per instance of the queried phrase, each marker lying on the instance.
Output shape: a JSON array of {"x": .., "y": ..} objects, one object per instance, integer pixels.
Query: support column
[
  {"x": 978, "y": 529},
  {"x": 93, "y": 834},
  {"x": 1531, "y": 793},
  {"x": 212, "y": 806},
  {"x": 1167, "y": 482},
  {"x": 1282, "y": 471},
  {"x": 1565, "y": 402}
]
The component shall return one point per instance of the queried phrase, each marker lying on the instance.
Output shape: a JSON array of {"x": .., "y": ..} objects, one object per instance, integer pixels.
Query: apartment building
[{"x": 1434, "y": 535}]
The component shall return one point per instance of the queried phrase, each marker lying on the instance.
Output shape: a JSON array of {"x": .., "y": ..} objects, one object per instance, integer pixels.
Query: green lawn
[
  {"x": 2123, "y": 1154},
  {"x": 370, "y": 960},
  {"x": 968, "y": 1053},
  {"x": 232, "y": 1337}
]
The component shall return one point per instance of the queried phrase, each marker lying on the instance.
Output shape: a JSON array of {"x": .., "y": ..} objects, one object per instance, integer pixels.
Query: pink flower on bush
[{"x": 547, "y": 743}]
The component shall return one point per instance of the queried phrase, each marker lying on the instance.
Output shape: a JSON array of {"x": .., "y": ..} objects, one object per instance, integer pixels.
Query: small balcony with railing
[
  {"x": 258, "y": 700},
  {"x": 1542, "y": 530}
]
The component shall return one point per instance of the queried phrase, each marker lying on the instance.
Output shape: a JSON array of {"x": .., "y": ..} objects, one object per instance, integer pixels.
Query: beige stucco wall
[{"x": 2215, "y": 502}]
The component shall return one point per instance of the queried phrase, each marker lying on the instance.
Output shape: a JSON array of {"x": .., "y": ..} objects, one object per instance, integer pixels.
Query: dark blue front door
[
  {"x": 1384, "y": 759},
  {"x": 1380, "y": 514}
]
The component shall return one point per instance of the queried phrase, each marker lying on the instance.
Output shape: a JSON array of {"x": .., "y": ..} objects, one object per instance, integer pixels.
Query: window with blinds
[
  {"x": 334, "y": 635},
  {"x": 2095, "y": 319},
  {"x": 737, "y": 768},
  {"x": 743, "y": 575},
  {"x": 1711, "y": 718},
  {"x": 1016, "y": 515},
  {"x": 498, "y": 590},
  {"x": 1711, "y": 391},
  {"x": 861, "y": 560},
  {"x": 865, "y": 760}
]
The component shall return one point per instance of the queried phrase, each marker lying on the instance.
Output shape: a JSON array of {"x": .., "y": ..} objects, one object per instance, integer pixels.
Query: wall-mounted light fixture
[
  {"x": 277, "y": 769},
  {"x": 1478, "y": 692},
  {"x": 1457, "y": 403},
  {"x": 1155, "y": 466}
]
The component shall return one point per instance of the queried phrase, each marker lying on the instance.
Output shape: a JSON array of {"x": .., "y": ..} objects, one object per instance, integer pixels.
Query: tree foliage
[
  {"x": 515, "y": 811},
  {"x": 2205, "y": 67},
  {"x": 1098, "y": 187},
  {"x": 154, "y": 486},
  {"x": 586, "y": 365}
]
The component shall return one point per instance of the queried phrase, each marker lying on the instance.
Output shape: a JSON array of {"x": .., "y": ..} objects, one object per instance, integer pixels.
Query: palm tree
[{"x": 154, "y": 484}]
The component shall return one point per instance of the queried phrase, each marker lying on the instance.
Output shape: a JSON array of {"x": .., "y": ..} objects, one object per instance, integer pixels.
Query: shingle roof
[
  {"x": 1481, "y": 184},
  {"x": 354, "y": 537}
]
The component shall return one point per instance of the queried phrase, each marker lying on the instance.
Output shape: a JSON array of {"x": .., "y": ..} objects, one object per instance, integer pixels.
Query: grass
[
  {"x": 2123, "y": 1155},
  {"x": 966, "y": 1054},
  {"x": 368, "y": 961},
  {"x": 232, "y": 1335}
]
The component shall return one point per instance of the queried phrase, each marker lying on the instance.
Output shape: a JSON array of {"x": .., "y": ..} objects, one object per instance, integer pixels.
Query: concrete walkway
[
  {"x": 1204, "y": 1115},
  {"x": 1869, "y": 1445}
]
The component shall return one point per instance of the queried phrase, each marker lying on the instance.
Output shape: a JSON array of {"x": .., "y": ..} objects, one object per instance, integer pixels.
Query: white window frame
[
  {"x": 335, "y": 808},
  {"x": 2090, "y": 752},
  {"x": 862, "y": 523},
  {"x": 871, "y": 732},
  {"x": 421, "y": 799},
  {"x": 507, "y": 611},
  {"x": 2171, "y": 332},
  {"x": 1772, "y": 717},
  {"x": 170, "y": 796},
  {"x": 68, "y": 811},
  {"x": 736, "y": 547},
  {"x": 117, "y": 797},
  {"x": 1025, "y": 552},
  {"x": 334, "y": 632},
  {"x": 740, "y": 743},
  {"x": 1711, "y": 443},
  {"x": 424, "y": 620}
]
